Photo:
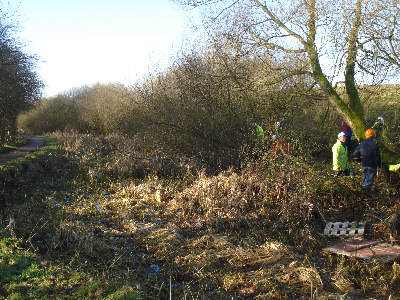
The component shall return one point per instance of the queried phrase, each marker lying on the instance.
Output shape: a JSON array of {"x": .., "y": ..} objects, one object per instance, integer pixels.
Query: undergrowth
[{"x": 130, "y": 222}]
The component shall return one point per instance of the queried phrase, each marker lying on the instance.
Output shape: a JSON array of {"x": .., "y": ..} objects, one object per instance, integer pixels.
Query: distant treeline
[{"x": 205, "y": 103}]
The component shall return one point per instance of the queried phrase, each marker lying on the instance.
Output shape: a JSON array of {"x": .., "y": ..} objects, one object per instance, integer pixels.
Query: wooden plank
[
  {"x": 350, "y": 246},
  {"x": 366, "y": 250}
]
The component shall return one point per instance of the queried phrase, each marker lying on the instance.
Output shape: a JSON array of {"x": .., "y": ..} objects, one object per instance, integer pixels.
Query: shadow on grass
[{"x": 33, "y": 265}]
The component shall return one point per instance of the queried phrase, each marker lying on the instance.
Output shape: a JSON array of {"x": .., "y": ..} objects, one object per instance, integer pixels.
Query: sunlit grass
[{"x": 253, "y": 233}]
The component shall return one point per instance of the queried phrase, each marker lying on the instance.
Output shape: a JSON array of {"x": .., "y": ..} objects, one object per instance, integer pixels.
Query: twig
[
  {"x": 170, "y": 287},
  {"x": 11, "y": 225},
  {"x": 322, "y": 216},
  {"x": 32, "y": 235},
  {"x": 30, "y": 243}
]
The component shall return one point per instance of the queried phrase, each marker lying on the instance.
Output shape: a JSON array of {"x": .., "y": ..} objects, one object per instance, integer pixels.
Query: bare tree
[
  {"x": 19, "y": 83},
  {"x": 342, "y": 44}
]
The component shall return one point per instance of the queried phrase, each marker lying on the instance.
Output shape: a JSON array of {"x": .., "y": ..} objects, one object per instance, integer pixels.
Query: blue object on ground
[{"x": 154, "y": 269}]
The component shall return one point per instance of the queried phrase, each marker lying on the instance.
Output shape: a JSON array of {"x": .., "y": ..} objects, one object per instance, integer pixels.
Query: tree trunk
[{"x": 352, "y": 113}]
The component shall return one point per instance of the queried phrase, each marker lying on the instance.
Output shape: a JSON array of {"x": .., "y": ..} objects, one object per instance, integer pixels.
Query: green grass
[
  {"x": 24, "y": 274},
  {"x": 7, "y": 148},
  {"x": 49, "y": 147}
]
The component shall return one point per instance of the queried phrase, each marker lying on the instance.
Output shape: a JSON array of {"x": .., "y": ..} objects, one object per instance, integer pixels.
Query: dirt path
[{"x": 32, "y": 145}]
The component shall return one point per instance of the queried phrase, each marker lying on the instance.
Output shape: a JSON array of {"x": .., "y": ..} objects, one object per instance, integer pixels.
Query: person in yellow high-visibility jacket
[
  {"x": 380, "y": 128},
  {"x": 394, "y": 168},
  {"x": 259, "y": 132},
  {"x": 340, "y": 161}
]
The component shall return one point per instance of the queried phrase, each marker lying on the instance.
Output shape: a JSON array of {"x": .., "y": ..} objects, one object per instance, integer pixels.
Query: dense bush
[
  {"x": 105, "y": 108},
  {"x": 58, "y": 113},
  {"x": 123, "y": 156},
  {"x": 203, "y": 106}
]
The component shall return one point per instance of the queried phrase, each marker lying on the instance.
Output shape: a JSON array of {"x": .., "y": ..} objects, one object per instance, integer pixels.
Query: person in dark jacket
[
  {"x": 347, "y": 131},
  {"x": 368, "y": 152}
]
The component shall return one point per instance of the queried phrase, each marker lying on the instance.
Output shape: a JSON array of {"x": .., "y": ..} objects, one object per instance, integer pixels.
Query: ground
[
  {"x": 83, "y": 215},
  {"x": 33, "y": 144}
]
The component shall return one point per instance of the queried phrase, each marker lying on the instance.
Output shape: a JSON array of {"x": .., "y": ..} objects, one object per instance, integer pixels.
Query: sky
[{"x": 83, "y": 42}]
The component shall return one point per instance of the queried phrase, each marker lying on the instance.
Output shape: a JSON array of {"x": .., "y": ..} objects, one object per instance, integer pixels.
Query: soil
[{"x": 33, "y": 144}]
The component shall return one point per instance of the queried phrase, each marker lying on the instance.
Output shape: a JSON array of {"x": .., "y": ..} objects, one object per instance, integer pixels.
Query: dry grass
[{"x": 253, "y": 233}]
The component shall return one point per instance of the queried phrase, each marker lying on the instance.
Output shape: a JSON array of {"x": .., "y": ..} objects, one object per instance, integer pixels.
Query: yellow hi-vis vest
[
  {"x": 260, "y": 133},
  {"x": 340, "y": 161}
]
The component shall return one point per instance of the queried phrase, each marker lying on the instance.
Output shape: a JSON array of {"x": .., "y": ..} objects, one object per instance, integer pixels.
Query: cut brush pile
[{"x": 252, "y": 233}]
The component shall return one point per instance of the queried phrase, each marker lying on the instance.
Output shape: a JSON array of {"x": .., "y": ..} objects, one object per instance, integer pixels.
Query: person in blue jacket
[{"x": 368, "y": 152}]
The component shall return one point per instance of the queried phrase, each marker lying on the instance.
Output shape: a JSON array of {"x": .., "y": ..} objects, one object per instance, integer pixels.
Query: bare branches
[
  {"x": 278, "y": 47},
  {"x": 225, "y": 9},
  {"x": 381, "y": 34},
  {"x": 196, "y": 3},
  {"x": 267, "y": 44},
  {"x": 19, "y": 83},
  {"x": 277, "y": 21}
]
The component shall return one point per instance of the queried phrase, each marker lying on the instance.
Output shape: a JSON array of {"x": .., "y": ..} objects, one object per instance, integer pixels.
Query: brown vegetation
[
  {"x": 249, "y": 233},
  {"x": 165, "y": 183}
]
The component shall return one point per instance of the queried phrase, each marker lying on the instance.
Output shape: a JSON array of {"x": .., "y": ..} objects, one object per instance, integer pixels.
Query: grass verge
[{"x": 25, "y": 274}]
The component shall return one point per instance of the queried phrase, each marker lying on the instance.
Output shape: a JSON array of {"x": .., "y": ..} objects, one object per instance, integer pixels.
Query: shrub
[
  {"x": 203, "y": 106},
  {"x": 58, "y": 113}
]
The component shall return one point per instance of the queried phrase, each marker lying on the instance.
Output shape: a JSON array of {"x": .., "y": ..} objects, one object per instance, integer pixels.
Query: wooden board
[{"x": 364, "y": 249}]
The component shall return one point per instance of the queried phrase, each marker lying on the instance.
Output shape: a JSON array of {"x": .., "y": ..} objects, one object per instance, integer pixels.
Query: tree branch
[
  {"x": 224, "y": 9},
  {"x": 279, "y": 22}
]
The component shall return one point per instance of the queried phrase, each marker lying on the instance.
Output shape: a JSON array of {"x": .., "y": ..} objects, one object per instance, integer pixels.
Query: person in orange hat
[{"x": 368, "y": 152}]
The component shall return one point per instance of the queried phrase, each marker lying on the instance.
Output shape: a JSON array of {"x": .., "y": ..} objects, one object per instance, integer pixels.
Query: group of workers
[
  {"x": 345, "y": 148},
  {"x": 367, "y": 152}
]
